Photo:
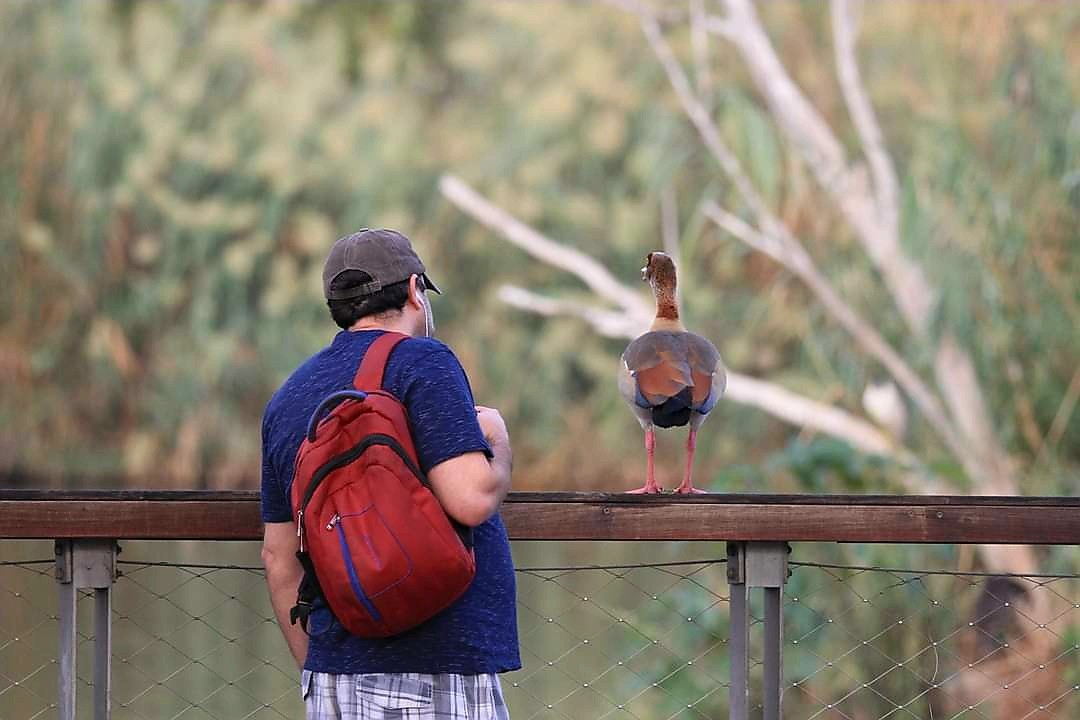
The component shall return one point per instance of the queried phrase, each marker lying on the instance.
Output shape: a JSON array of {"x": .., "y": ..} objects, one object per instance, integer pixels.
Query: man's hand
[
  {"x": 492, "y": 425},
  {"x": 470, "y": 487}
]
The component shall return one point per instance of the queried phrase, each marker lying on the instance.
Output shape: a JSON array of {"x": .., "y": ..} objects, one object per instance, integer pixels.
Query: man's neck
[{"x": 395, "y": 324}]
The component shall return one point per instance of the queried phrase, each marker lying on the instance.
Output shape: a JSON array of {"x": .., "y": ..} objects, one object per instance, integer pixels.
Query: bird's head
[{"x": 659, "y": 271}]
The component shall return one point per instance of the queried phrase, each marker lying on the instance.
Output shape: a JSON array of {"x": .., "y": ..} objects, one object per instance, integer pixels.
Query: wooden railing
[{"x": 234, "y": 515}]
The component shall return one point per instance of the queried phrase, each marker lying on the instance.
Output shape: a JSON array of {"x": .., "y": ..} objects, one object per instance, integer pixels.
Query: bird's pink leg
[
  {"x": 687, "y": 486},
  {"x": 650, "y": 488}
]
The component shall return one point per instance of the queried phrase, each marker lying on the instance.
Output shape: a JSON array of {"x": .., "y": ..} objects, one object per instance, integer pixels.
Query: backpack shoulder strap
[{"x": 369, "y": 376}]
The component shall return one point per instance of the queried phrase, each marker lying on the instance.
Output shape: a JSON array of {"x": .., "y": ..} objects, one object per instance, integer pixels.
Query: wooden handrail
[{"x": 234, "y": 515}]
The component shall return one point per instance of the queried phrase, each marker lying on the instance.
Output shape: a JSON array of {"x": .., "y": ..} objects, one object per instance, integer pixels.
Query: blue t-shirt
[{"x": 478, "y": 633}]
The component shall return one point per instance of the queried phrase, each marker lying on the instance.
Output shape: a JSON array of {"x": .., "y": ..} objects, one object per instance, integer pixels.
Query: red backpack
[{"x": 374, "y": 540}]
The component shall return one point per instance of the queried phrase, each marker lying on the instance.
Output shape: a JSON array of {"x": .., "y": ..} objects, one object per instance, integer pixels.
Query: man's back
[{"x": 478, "y": 633}]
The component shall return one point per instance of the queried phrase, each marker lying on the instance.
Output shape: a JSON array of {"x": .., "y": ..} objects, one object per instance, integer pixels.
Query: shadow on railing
[{"x": 608, "y": 630}]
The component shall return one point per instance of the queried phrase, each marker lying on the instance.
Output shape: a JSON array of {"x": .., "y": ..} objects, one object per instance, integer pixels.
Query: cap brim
[{"x": 429, "y": 284}]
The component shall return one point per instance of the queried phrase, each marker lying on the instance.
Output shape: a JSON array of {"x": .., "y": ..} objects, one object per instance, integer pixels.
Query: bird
[{"x": 670, "y": 376}]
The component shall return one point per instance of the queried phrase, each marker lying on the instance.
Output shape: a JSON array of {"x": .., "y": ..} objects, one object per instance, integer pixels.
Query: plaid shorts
[{"x": 402, "y": 696}]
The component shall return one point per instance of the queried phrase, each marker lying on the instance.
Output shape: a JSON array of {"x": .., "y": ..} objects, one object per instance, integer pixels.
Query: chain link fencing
[{"x": 644, "y": 637}]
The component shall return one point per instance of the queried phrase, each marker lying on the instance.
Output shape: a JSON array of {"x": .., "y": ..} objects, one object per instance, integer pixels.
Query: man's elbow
[
  {"x": 470, "y": 490},
  {"x": 269, "y": 558},
  {"x": 278, "y": 564},
  {"x": 475, "y": 509}
]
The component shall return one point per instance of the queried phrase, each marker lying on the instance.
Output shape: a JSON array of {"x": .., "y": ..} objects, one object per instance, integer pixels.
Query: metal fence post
[
  {"x": 739, "y": 632},
  {"x": 763, "y": 565},
  {"x": 68, "y": 637},
  {"x": 86, "y": 564}
]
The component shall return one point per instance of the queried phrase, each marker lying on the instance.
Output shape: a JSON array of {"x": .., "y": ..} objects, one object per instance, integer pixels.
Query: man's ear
[{"x": 414, "y": 292}]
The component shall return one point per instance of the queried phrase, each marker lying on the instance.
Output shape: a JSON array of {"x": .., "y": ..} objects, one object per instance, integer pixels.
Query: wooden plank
[
  {"x": 133, "y": 494},
  {"x": 579, "y": 497},
  {"x": 131, "y": 519},
  {"x": 799, "y": 499},
  {"x": 653, "y": 519},
  {"x": 884, "y": 524}
]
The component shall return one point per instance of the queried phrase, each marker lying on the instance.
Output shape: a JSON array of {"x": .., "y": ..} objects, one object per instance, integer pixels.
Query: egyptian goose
[{"x": 669, "y": 376}]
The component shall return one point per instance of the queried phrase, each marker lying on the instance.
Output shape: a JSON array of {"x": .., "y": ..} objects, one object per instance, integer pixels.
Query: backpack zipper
[
  {"x": 352, "y": 454},
  {"x": 333, "y": 521}
]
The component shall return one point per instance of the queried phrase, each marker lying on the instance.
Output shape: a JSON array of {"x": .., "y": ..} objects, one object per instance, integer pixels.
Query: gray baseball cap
[{"x": 386, "y": 255}]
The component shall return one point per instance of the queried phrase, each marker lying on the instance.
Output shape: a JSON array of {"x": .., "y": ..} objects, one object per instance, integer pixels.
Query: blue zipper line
[{"x": 353, "y": 579}]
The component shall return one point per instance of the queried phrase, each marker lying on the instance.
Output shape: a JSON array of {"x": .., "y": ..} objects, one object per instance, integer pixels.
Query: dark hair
[{"x": 346, "y": 312}]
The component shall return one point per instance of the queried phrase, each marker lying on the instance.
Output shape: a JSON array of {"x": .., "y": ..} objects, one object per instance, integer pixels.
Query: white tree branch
[
  {"x": 981, "y": 454},
  {"x": 699, "y": 42},
  {"x": 592, "y": 273},
  {"x": 790, "y": 253},
  {"x": 862, "y": 115},
  {"x": 700, "y": 117},
  {"x": 911, "y": 291},
  {"x": 806, "y": 413},
  {"x": 850, "y": 189},
  {"x": 609, "y": 323},
  {"x": 816, "y": 143},
  {"x": 868, "y": 205},
  {"x": 874, "y": 216},
  {"x": 798, "y": 118},
  {"x": 983, "y": 459},
  {"x": 719, "y": 26},
  {"x": 809, "y": 132}
]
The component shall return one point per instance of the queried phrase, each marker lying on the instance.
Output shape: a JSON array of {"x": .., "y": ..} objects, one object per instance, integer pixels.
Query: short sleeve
[
  {"x": 442, "y": 410},
  {"x": 275, "y": 506}
]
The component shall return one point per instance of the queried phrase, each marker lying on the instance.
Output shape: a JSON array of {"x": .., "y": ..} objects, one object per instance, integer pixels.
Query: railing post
[
  {"x": 86, "y": 564},
  {"x": 763, "y": 565},
  {"x": 68, "y": 636},
  {"x": 739, "y": 632}
]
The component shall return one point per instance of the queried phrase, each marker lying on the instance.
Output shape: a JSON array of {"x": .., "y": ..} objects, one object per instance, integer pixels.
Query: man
[{"x": 446, "y": 668}]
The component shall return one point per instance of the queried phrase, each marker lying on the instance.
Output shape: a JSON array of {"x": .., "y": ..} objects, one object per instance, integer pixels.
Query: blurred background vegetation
[{"x": 172, "y": 175}]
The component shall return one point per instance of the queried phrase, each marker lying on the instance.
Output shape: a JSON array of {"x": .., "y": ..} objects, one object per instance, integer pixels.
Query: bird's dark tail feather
[{"x": 674, "y": 412}]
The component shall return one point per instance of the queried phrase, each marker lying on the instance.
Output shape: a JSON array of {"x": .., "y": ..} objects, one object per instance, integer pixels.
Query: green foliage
[
  {"x": 176, "y": 172},
  {"x": 828, "y": 465}
]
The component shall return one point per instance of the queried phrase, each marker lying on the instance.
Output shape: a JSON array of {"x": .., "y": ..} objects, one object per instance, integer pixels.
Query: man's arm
[
  {"x": 283, "y": 574},
  {"x": 471, "y": 487}
]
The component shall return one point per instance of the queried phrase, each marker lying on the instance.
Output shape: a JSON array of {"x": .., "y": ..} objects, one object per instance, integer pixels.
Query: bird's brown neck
[{"x": 667, "y": 310}]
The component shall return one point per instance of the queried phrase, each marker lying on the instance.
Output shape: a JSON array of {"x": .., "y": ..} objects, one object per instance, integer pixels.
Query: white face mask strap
[{"x": 429, "y": 319}]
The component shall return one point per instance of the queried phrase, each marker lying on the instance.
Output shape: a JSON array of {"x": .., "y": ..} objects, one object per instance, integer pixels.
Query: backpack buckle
[{"x": 299, "y": 613}]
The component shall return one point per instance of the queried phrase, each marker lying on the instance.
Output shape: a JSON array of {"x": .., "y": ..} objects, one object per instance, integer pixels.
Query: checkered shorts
[{"x": 402, "y": 696}]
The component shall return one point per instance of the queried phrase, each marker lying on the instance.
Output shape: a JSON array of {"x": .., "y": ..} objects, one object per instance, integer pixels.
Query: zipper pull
[
  {"x": 300, "y": 528},
  {"x": 333, "y": 521}
]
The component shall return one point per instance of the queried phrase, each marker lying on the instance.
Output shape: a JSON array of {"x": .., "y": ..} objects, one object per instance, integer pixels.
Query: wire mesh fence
[
  {"x": 194, "y": 637},
  {"x": 27, "y": 638},
  {"x": 883, "y": 643}
]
